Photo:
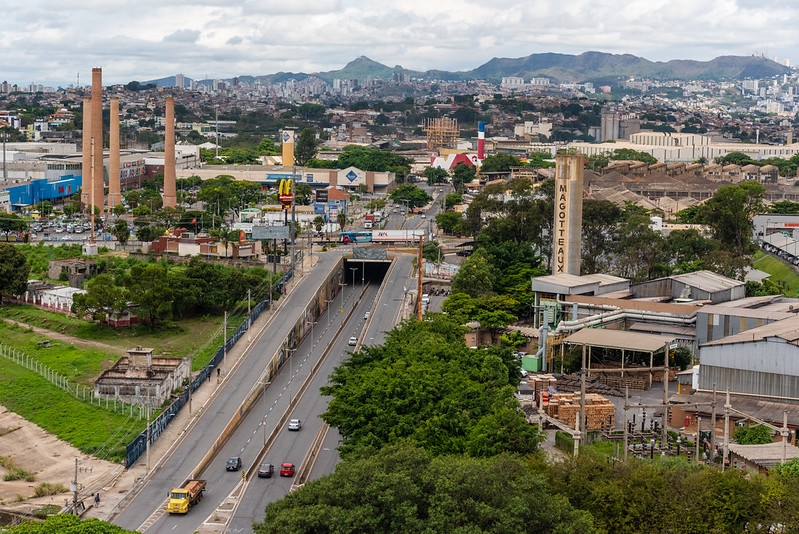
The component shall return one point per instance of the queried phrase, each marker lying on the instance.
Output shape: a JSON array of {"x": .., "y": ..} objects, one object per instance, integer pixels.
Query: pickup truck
[{"x": 183, "y": 498}]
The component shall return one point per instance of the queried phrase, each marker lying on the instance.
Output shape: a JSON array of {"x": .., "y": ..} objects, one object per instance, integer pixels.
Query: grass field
[
  {"x": 198, "y": 338},
  {"x": 780, "y": 273},
  {"x": 88, "y": 427}
]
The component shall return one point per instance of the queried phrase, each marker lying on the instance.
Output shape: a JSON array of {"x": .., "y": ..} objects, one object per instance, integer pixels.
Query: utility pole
[
  {"x": 148, "y": 429},
  {"x": 75, "y": 490},
  {"x": 224, "y": 338},
  {"x": 293, "y": 218},
  {"x": 419, "y": 281}
]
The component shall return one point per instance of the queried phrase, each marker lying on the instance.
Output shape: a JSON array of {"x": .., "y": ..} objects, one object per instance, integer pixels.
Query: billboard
[
  {"x": 321, "y": 195},
  {"x": 260, "y": 232}
]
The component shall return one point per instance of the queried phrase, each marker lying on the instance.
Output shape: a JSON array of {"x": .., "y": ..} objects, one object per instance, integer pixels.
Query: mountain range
[{"x": 596, "y": 67}]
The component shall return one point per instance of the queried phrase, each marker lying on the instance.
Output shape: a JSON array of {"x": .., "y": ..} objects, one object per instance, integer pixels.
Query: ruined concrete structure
[{"x": 141, "y": 378}]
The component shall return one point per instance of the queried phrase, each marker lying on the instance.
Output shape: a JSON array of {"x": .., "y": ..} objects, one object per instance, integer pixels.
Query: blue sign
[{"x": 351, "y": 176}]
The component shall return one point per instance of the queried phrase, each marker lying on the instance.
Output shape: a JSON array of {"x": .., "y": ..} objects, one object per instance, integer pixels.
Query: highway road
[
  {"x": 236, "y": 384},
  {"x": 293, "y": 446},
  {"x": 250, "y": 436}
]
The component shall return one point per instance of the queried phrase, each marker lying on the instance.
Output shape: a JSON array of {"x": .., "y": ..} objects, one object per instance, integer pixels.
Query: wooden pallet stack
[
  {"x": 541, "y": 382},
  {"x": 599, "y": 411}
]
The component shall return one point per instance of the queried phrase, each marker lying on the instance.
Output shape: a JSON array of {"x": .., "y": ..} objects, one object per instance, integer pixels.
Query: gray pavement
[{"x": 115, "y": 490}]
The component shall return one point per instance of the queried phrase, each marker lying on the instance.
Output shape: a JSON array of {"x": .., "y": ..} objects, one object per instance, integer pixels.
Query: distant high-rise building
[{"x": 180, "y": 81}]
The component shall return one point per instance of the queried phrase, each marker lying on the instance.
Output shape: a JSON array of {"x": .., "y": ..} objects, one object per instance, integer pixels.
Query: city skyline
[{"x": 217, "y": 39}]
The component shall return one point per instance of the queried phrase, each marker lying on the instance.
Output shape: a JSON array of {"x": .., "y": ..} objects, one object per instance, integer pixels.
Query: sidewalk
[{"x": 116, "y": 484}]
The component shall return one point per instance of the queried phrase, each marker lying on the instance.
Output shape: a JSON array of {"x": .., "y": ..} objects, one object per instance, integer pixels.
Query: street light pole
[
  {"x": 328, "y": 303},
  {"x": 263, "y": 423},
  {"x": 353, "y": 269},
  {"x": 291, "y": 353}
]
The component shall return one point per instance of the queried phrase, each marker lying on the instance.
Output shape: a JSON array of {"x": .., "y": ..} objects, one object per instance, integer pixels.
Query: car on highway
[
  {"x": 353, "y": 341},
  {"x": 424, "y": 216},
  {"x": 366, "y": 316},
  {"x": 266, "y": 471},
  {"x": 287, "y": 470},
  {"x": 295, "y": 424},
  {"x": 233, "y": 464}
]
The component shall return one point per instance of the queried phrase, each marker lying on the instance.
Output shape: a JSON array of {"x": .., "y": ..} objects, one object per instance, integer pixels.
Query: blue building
[{"x": 37, "y": 191}]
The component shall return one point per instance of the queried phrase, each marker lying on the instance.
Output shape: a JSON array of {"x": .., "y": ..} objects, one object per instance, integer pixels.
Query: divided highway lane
[
  {"x": 384, "y": 315},
  {"x": 290, "y": 446},
  {"x": 237, "y": 382}
]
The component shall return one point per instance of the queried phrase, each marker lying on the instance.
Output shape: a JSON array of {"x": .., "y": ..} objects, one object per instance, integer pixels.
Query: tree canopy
[
  {"x": 424, "y": 386},
  {"x": 404, "y": 489},
  {"x": 14, "y": 271}
]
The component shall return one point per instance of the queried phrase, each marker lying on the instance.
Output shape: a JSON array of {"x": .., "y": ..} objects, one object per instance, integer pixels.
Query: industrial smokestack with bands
[
  {"x": 98, "y": 180},
  {"x": 86, "y": 153},
  {"x": 170, "y": 200},
  {"x": 114, "y": 189},
  {"x": 481, "y": 140}
]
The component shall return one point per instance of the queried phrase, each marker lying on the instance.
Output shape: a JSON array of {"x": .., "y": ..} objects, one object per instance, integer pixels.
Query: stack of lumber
[{"x": 599, "y": 411}]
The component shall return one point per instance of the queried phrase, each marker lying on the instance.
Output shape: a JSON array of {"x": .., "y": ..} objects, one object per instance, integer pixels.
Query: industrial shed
[
  {"x": 625, "y": 343},
  {"x": 761, "y": 458},
  {"x": 699, "y": 286},
  {"x": 761, "y": 361}
]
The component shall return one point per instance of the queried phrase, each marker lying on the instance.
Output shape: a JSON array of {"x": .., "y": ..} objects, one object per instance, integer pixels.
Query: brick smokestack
[
  {"x": 114, "y": 190},
  {"x": 86, "y": 152},
  {"x": 170, "y": 200},
  {"x": 98, "y": 180}
]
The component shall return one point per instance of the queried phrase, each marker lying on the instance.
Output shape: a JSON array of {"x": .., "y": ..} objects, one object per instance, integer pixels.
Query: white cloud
[{"x": 149, "y": 39}]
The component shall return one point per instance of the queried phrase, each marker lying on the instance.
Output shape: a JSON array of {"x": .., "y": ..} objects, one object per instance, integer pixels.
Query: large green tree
[
  {"x": 410, "y": 195},
  {"x": 729, "y": 214},
  {"x": 405, "y": 489},
  {"x": 600, "y": 218},
  {"x": 424, "y": 386},
  {"x": 11, "y": 222},
  {"x": 306, "y": 147},
  {"x": 67, "y": 524},
  {"x": 149, "y": 291},
  {"x": 102, "y": 299},
  {"x": 14, "y": 271},
  {"x": 500, "y": 163}
]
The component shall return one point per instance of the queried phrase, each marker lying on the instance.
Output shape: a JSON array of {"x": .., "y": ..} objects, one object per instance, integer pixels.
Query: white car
[
  {"x": 366, "y": 316},
  {"x": 295, "y": 424},
  {"x": 353, "y": 341}
]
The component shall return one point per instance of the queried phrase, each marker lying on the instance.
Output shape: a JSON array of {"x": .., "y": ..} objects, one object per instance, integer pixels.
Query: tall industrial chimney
[
  {"x": 567, "y": 238},
  {"x": 170, "y": 198},
  {"x": 98, "y": 180},
  {"x": 86, "y": 153},
  {"x": 114, "y": 189},
  {"x": 481, "y": 140}
]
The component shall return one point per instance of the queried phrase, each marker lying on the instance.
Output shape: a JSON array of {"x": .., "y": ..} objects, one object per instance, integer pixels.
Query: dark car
[
  {"x": 266, "y": 471},
  {"x": 287, "y": 470},
  {"x": 233, "y": 464}
]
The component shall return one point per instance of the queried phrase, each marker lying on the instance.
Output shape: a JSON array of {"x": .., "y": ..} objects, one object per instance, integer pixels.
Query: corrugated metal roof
[
  {"x": 677, "y": 330},
  {"x": 618, "y": 339},
  {"x": 707, "y": 281},
  {"x": 787, "y": 329},
  {"x": 769, "y": 411},
  {"x": 765, "y": 455}
]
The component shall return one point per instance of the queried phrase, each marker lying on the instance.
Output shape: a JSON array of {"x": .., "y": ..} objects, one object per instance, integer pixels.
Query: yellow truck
[{"x": 183, "y": 498}]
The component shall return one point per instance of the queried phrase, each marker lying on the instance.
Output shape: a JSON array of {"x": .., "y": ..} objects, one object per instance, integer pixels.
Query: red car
[{"x": 287, "y": 470}]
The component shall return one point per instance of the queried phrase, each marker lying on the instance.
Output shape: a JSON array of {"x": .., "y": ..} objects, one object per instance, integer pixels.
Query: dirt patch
[{"x": 47, "y": 458}]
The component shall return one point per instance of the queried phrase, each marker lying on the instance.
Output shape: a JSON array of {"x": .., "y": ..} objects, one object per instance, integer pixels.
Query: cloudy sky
[{"x": 53, "y": 42}]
